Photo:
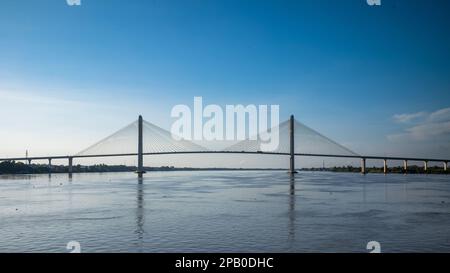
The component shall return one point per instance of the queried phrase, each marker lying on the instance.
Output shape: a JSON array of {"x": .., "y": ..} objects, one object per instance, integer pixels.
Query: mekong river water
[{"x": 225, "y": 211}]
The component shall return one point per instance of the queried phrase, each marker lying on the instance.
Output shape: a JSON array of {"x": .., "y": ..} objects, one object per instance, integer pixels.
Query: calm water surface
[{"x": 244, "y": 211}]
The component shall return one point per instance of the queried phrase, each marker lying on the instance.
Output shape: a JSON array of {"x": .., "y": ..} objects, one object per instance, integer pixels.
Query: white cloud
[
  {"x": 433, "y": 126},
  {"x": 440, "y": 115},
  {"x": 406, "y": 118},
  {"x": 429, "y": 130}
]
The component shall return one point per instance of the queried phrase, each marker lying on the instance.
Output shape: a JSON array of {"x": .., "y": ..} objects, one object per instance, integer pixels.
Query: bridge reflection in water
[{"x": 141, "y": 212}]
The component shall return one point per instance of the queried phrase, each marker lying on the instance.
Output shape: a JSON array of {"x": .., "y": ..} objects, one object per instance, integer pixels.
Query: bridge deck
[{"x": 226, "y": 152}]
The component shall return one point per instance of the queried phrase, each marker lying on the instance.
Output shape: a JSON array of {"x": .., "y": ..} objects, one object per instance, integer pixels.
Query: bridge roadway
[{"x": 362, "y": 157}]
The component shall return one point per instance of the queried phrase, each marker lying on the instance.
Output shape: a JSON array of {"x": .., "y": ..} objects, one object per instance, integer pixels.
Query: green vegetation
[
  {"x": 411, "y": 169},
  {"x": 12, "y": 167}
]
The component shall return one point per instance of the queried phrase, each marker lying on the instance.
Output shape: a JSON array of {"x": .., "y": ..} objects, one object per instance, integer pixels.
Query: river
[{"x": 225, "y": 211}]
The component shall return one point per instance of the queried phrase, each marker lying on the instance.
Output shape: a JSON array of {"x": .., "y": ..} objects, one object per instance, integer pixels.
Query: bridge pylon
[
  {"x": 140, "y": 168},
  {"x": 291, "y": 146}
]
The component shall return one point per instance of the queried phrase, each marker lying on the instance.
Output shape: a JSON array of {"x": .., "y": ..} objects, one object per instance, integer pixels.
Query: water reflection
[
  {"x": 364, "y": 190},
  {"x": 386, "y": 197},
  {"x": 140, "y": 218},
  {"x": 291, "y": 235}
]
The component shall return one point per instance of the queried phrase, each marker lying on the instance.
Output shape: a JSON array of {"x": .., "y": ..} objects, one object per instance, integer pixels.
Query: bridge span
[{"x": 292, "y": 154}]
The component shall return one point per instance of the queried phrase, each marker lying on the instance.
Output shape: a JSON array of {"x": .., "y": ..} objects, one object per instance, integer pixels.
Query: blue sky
[{"x": 376, "y": 79}]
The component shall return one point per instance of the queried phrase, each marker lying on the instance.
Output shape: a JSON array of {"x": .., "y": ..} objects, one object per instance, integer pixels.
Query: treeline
[
  {"x": 411, "y": 169},
  {"x": 12, "y": 167}
]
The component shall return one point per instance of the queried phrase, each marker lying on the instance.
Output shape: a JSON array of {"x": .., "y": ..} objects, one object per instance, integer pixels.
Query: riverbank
[{"x": 11, "y": 167}]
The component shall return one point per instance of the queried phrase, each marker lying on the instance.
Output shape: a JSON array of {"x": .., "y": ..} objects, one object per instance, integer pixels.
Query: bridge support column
[
  {"x": 49, "y": 165},
  {"x": 292, "y": 146},
  {"x": 70, "y": 165},
  {"x": 445, "y": 166},
  {"x": 363, "y": 165},
  {"x": 385, "y": 167},
  {"x": 405, "y": 166},
  {"x": 425, "y": 166},
  {"x": 29, "y": 161},
  {"x": 140, "y": 168}
]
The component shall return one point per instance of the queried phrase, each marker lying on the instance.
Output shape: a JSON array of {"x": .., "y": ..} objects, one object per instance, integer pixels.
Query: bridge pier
[
  {"x": 425, "y": 166},
  {"x": 70, "y": 165},
  {"x": 385, "y": 167},
  {"x": 49, "y": 165},
  {"x": 445, "y": 166},
  {"x": 405, "y": 166},
  {"x": 363, "y": 165},
  {"x": 140, "y": 169},
  {"x": 29, "y": 161},
  {"x": 292, "y": 146}
]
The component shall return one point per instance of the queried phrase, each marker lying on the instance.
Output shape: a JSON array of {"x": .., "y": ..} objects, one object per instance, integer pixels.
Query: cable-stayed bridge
[{"x": 142, "y": 138}]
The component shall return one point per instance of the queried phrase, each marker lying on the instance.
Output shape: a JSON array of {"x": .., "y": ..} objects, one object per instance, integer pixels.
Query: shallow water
[{"x": 229, "y": 211}]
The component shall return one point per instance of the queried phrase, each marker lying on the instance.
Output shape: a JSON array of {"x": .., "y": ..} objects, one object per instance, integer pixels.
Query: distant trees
[
  {"x": 12, "y": 167},
  {"x": 411, "y": 169}
]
